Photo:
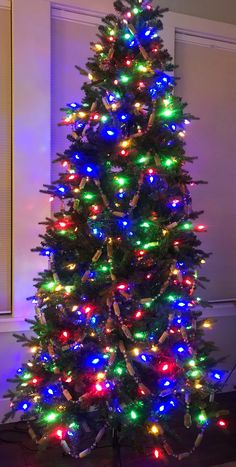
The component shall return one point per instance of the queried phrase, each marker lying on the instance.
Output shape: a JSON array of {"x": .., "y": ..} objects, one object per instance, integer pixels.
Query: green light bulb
[
  {"x": 187, "y": 226},
  {"x": 51, "y": 417},
  {"x": 50, "y": 285},
  {"x": 142, "y": 159},
  {"x": 167, "y": 113},
  {"x": 69, "y": 288},
  {"x": 121, "y": 181},
  {"x": 119, "y": 371},
  {"x": 168, "y": 162},
  {"x": 74, "y": 426},
  {"x": 145, "y": 225},
  {"x": 104, "y": 118},
  {"x": 171, "y": 298},
  {"x": 202, "y": 418},
  {"x": 150, "y": 245},
  {"x": 133, "y": 415},
  {"x": 88, "y": 196},
  {"x": 124, "y": 78},
  {"x": 127, "y": 35},
  {"x": 139, "y": 335},
  {"x": 27, "y": 376},
  {"x": 195, "y": 373}
]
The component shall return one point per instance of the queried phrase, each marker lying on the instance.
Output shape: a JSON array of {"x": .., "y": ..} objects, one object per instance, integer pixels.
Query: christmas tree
[{"x": 118, "y": 339}]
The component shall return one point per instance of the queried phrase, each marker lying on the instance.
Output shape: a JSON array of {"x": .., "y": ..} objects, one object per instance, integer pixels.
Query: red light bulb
[
  {"x": 98, "y": 387},
  {"x": 59, "y": 434},
  {"x": 222, "y": 423},
  {"x": 138, "y": 314},
  {"x": 200, "y": 228},
  {"x": 122, "y": 287},
  {"x": 156, "y": 454},
  {"x": 141, "y": 84},
  {"x": 141, "y": 253},
  {"x": 128, "y": 62},
  {"x": 165, "y": 367}
]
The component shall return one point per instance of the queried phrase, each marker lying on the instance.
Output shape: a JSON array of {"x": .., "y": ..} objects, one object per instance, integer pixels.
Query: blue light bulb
[
  {"x": 62, "y": 189},
  {"x": 144, "y": 358},
  {"x": 73, "y": 105},
  {"x": 95, "y": 361}
]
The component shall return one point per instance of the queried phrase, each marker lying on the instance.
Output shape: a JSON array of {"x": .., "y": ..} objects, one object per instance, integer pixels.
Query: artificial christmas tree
[{"x": 119, "y": 343}]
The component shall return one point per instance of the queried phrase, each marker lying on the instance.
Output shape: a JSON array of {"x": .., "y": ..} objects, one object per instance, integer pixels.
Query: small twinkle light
[
  {"x": 99, "y": 387},
  {"x": 136, "y": 352},
  {"x": 175, "y": 203},
  {"x": 192, "y": 363},
  {"x": 143, "y": 357},
  {"x": 101, "y": 375},
  {"x": 207, "y": 324},
  {"x": 198, "y": 385},
  {"x": 82, "y": 114},
  {"x": 165, "y": 367},
  {"x": 156, "y": 453},
  {"x": 154, "y": 430},
  {"x": 35, "y": 380},
  {"x": 98, "y": 47}
]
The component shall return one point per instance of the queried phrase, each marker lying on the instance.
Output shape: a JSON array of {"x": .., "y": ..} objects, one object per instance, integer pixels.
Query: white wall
[{"x": 209, "y": 9}]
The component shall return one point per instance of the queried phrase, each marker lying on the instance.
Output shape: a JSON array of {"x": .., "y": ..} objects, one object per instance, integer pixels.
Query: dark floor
[{"x": 218, "y": 447}]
